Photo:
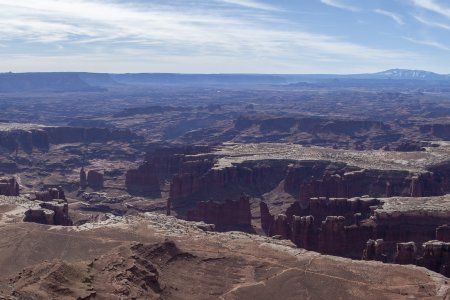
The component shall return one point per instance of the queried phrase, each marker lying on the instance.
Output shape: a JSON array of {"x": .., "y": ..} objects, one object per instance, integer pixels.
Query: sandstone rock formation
[
  {"x": 83, "y": 178},
  {"x": 143, "y": 180},
  {"x": 199, "y": 178},
  {"x": 136, "y": 259},
  {"x": 320, "y": 208},
  {"x": 374, "y": 183},
  {"x": 280, "y": 227},
  {"x": 386, "y": 229},
  {"x": 374, "y": 250},
  {"x": 230, "y": 215},
  {"x": 443, "y": 233},
  {"x": 49, "y": 213},
  {"x": 61, "y": 212},
  {"x": 9, "y": 187},
  {"x": 95, "y": 179},
  {"x": 51, "y": 194},
  {"x": 27, "y": 137},
  {"x": 406, "y": 253},
  {"x": 40, "y": 216},
  {"x": 332, "y": 238},
  {"x": 267, "y": 219},
  {"x": 436, "y": 257},
  {"x": 168, "y": 161},
  {"x": 304, "y": 232}
]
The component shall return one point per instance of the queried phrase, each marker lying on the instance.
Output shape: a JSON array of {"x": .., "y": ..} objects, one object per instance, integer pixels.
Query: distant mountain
[
  {"x": 409, "y": 74},
  {"x": 92, "y": 82},
  {"x": 198, "y": 79},
  {"x": 44, "y": 82}
]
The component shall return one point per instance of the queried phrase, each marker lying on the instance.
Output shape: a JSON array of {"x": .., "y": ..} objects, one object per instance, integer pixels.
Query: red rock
[
  {"x": 50, "y": 213},
  {"x": 61, "y": 212},
  {"x": 51, "y": 194},
  {"x": 227, "y": 215},
  {"x": 267, "y": 220},
  {"x": 40, "y": 216},
  {"x": 95, "y": 179},
  {"x": 332, "y": 236},
  {"x": 443, "y": 233},
  {"x": 406, "y": 253},
  {"x": 281, "y": 227},
  {"x": 143, "y": 180},
  {"x": 9, "y": 187},
  {"x": 436, "y": 257},
  {"x": 254, "y": 177},
  {"x": 83, "y": 178},
  {"x": 374, "y": 250},
  {"x": 376, "y": 183},
  {"x": 304, "y": 232}
]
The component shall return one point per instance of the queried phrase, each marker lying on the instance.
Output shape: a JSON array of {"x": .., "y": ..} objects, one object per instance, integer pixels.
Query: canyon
[{"x": 293, "y": 186}]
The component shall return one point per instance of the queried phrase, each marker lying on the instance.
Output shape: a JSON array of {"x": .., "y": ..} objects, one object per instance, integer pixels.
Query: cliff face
[
  {"x": 95, "y": 179},
  {"x": 26, "y": 138},
  {"x": 385, "y": 229},
  {"x": 162, "y": 257},
  {"x": 308, "y": 180},
  {"x": 62, "y": 135},
  {"x": 253, "y": 178},
  {"x": 374, "y": 183},
  {"x": 332, "y": 238},
  {"x": 436, "y": 257},
  {"x": 143, "y": 180},
  {"x": 9, "y": 187},
  {"x": 168, "y": 161},
  {"x": 163, "y": 163},
  {"x": 49, "y": 213},
  {"x": 353, "y": 210},
  {"x": 51, "y": 194},
  {"x": 230, "y": 215}
]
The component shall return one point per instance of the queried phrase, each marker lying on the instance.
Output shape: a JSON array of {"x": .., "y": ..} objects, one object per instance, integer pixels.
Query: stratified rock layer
[
  {"x": 230, "y": 215},
  {"x": 9, "y": 187}
]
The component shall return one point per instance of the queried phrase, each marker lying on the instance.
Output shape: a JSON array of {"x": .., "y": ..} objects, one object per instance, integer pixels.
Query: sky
[{"x": 224, "y": 36}]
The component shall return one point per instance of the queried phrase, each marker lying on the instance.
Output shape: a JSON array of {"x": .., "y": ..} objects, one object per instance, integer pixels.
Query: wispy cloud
[
  {"x": 339, "y": 4},
  {"x": 180, "y": 31},
  {"x": 397, "y": 18},
  {"x": 433, "y": 6},
  {"x": 251, "y": 4},
  {"x": 432, "y": 23},
  {"x": 233, "y": 31},
  {"x": 433, "y": 44}
]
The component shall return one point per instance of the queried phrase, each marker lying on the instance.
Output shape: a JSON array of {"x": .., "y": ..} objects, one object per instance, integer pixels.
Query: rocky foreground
[{"x": 151, "y": 256}]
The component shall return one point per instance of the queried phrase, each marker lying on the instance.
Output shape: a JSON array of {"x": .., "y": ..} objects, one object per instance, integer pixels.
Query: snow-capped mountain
[{"x": 410, "y": 74}]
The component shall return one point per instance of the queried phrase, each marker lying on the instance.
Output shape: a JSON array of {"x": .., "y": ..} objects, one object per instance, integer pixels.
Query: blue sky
[{"x": 224, "y": 36}]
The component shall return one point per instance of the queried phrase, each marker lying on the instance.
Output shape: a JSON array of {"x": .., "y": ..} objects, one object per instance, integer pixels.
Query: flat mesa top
[
  {"x": 231, "y": 153},
  {"x": 439, "y": 205},
  {"x": 19, "y": 126}
]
